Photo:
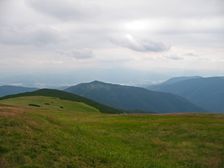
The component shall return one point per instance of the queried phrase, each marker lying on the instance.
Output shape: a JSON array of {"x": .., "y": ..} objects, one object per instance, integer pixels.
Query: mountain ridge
[
  {"x": 10, "y": 89},
  {"x": 132, "y": 98},
  {"x": 206, "y": 92}
]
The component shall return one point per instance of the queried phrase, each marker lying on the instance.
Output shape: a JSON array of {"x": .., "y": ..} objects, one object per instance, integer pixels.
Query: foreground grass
[{"x": 66, "y": 134}]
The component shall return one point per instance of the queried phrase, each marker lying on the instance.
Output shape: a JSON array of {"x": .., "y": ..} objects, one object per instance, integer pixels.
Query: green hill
[
  {"x": 39, "y": 131},
  {"x": 49, "y": 103},
  {"x": 65, "y": 96}
]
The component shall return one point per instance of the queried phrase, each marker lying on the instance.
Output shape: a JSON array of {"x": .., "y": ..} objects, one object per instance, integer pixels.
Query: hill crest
[{"x": 66, "y": 96}]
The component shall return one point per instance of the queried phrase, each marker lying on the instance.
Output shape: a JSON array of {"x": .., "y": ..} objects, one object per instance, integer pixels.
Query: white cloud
[{"x": 140, "y": 45}]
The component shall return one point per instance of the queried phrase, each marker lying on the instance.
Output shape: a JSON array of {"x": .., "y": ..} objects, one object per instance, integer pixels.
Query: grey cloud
[
  {"x": 78, "y": 53},
  {"x": 29, "y": 35},
  {"x": 131, "y": 9},
  {"x": 191, "y": 54},
  {"x": 174, "y": 57},
  {"x": 140, "y": 45},
  {"x": 65, "y": 9}
]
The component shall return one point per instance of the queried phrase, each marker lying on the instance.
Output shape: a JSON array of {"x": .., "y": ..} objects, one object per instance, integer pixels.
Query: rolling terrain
[
  {"x": 45, "y": 130},
  {"x": 133, "y": 99},
  {"x": 207, "y": 93},
  {"x": 65, "y": 96}
]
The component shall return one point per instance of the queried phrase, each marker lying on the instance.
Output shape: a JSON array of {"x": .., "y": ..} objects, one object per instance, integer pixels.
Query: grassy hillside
[
  {"x": 79, "y": 136},
  {"x": 66, "y": 96},
  {"x": 49, "y": 103}
]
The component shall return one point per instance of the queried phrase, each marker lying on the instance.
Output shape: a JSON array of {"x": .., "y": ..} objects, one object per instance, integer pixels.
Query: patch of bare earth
[
  {"x": 6, "y": 110},
  {"x": 3, "y": 163}
]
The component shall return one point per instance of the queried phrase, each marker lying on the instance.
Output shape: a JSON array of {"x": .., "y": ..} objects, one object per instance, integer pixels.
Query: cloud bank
[{"x": 157, "y": 37}]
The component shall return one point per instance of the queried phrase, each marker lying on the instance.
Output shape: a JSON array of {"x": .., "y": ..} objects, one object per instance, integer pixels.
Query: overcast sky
[{"x": 61, "y": 42}]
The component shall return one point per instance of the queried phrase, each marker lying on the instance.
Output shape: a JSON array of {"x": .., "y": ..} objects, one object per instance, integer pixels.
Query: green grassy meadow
[{"x": 68, "y": 134}]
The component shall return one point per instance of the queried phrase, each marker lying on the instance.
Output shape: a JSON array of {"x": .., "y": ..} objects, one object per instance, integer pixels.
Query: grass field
[{"x": 67, "y": 134}]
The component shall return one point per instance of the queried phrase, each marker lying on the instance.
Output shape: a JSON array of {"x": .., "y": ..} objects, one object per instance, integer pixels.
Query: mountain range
[
  {"x": 9, "y": 90},
  {"x": 207, "y": 93},
  {"x": 133, "y": 99},
  {"x": 180, "y": 94}
]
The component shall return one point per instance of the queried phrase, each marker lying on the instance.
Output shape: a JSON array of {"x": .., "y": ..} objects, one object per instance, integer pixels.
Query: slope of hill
[
  {"x": 65, "y": 96},
  {"x": 9, "y": 90},
  {"x": 78, "y": 136},
  {"x": 133, "y": 99},
  {"x": 207, "y": 93},
  {"x": 49, "y": 103}
]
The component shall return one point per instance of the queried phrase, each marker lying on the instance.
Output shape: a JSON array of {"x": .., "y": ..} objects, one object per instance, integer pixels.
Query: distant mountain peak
[{"x": 97, "y": 82}]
